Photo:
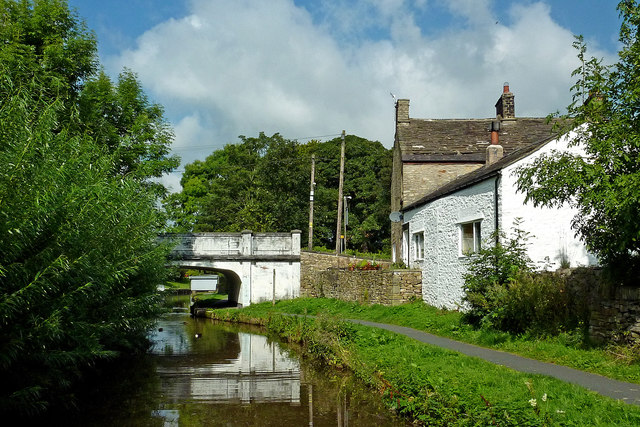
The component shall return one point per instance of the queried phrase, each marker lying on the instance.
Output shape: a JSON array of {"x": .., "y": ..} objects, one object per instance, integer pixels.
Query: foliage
[
  {"x": 491, "y": 272},
  {"x": 503, "y": 292},
  {"x": 262, "y": 184},
  {"x": 604, "y": 182},
  {"x": 121, "y": 118},
  {"x": 364, "y": 264},
  {"x": 79, "y": 261},
  {"x": 43, "y": 39}
]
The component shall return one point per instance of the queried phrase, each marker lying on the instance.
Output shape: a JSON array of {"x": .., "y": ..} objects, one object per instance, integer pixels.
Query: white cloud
[{"x": 241, "y": 67}]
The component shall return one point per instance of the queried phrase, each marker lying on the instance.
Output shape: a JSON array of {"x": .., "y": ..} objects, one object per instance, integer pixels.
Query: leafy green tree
[
  {"x": 262, "y": 184},
  {"x": 254, "y": 185},
  {"x": 120, "y": 117},
  {"x": 367, "y": 180},
  {"x": 604, "y": 183},
  {"x": 44, "y": 39},
  {"x": 79, "y": 262}
]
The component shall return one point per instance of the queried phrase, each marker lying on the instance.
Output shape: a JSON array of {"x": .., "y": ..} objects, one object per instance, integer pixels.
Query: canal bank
[
  {"x": 200, "y": 372},
  {"x": 436, "y": 386}
]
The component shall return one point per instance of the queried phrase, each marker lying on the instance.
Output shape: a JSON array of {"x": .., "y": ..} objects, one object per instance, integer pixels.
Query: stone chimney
[
  {"x": 505, "y": 107},
  {"x": 402, "y": 111},
  {"x": 495, "y": 150}
]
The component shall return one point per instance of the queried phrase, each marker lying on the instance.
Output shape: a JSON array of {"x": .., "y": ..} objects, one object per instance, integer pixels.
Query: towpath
[{"x": 626, "y": 392}]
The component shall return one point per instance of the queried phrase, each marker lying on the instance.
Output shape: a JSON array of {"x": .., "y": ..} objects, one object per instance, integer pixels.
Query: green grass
[
  {"x": 178, "y": 285},
  {"x": 565, "y": 349},
  {"x": 435, "y": 386},
  {"x": 211, "y": 297}
]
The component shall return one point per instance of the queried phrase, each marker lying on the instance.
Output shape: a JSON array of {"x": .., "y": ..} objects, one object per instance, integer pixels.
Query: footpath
[{"x": 626, "y": 392}]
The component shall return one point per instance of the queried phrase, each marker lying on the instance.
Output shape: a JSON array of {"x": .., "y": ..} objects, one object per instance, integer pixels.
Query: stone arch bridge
[{"x": 256, "y": 266}]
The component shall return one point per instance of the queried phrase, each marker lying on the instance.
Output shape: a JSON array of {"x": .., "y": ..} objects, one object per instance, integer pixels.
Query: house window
[
  {"x": 470, "y": 237},
  {"x": 418, "y": 245}
]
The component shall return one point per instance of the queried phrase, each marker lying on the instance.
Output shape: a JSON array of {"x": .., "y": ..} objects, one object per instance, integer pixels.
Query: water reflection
[
  {"x": 207, "y": 362},
  {"x": 202, "y": 373}
]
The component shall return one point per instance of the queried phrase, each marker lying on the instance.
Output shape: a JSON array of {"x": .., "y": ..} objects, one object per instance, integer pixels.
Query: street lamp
[{"x": 346, "y": 220}]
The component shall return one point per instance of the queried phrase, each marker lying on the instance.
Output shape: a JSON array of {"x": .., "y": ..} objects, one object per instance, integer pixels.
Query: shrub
[
  {"x": 503, "y": 291},
  {"x": 490, "y": 273}
]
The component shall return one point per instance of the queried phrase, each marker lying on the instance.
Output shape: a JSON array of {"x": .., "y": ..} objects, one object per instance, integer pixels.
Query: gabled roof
[
  {"x": 424, "y": 140},
  {"x": 480, "y": 174}
]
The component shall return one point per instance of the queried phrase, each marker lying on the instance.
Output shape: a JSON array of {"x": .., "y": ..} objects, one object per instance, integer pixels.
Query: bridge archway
[
  {"x": 232, "y": 280},
  {"x": 259, "y": 266}
]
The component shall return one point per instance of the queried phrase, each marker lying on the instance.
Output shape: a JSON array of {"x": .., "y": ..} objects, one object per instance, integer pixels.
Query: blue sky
[{"x": 307, "y": 68}]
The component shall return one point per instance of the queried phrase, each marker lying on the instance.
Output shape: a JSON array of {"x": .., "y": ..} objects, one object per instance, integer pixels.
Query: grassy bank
[
  {"x": 565, "y": 349},
  {"x": 437, "y": 386}
]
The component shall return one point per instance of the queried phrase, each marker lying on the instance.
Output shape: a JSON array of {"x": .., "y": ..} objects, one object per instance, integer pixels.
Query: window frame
[
  {"x": 417, "y": 238},
  {"x": 476, "y": 238}
]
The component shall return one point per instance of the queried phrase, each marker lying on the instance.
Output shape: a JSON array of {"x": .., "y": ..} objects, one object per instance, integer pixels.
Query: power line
[{"x": 192, "y": 147}]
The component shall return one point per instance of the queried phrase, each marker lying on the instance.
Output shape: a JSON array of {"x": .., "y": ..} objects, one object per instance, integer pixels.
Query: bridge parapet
[
  {"x": 236, "y": 246},
  {"x": 258, "y": 266}
]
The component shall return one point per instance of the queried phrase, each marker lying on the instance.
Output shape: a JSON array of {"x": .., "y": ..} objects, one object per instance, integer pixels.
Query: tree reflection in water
[{"x": 204, "y": 373}]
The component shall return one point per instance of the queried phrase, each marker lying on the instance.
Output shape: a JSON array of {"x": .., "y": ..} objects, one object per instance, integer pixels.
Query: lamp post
[{"x": 346, "y": 220}]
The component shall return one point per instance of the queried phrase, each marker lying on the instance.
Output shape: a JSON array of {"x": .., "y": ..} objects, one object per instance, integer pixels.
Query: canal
[{"x": 205, "y": 373}]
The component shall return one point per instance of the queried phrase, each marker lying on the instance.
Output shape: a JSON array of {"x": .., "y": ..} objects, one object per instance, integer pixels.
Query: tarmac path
[{"x": 620, "y": 390}]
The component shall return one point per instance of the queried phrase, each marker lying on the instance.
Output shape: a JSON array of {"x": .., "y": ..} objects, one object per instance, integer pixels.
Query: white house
[{"x": 446, "y": 226}]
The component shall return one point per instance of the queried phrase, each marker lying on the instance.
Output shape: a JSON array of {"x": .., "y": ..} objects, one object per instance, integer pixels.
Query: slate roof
[
  {"x": 480, "y": 174},
  {"x": 450, "y": 140}
]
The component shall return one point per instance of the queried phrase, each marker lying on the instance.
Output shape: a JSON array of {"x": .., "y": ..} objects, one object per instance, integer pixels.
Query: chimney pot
[
  {"x": 505, "y": 107},
  {"x": 494, "y": 137}
]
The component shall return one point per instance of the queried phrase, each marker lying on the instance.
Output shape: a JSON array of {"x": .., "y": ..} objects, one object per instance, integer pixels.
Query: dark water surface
[{"x": 205, "y": 373}]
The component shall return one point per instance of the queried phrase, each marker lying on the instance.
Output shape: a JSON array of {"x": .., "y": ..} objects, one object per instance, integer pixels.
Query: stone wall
[
  {"x": 420, "y": 179},
  {"x": 323, "y": 261},
  {"x": 613, "y": 311},
  {"x": 328, "y": 276}
]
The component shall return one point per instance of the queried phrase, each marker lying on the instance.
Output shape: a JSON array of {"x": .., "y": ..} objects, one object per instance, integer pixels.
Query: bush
[
  {"x": 503, "y": 291},
  {"x": 79, "y": 262}
]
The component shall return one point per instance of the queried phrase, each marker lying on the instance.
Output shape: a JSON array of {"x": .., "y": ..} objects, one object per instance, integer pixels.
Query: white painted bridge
[{"x": 257, "y": 266}]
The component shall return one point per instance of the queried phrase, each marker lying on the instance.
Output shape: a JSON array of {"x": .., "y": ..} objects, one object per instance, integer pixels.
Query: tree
[
  {"x": 604, "y": 183},
  {"x": 367, "y": 179},
  {"x": 44, "y": 39},
  {"x": 121, "y": 118},
  {"x": 262, "y": 184},
  {"x": 79, "y": 262}
]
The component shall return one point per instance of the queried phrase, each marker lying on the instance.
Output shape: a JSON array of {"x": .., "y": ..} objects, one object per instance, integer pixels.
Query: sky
[{"x": 308, "y": 69}]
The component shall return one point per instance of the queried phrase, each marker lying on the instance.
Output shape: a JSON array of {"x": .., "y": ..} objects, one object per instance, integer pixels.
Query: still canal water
[{"x": 206, "y": 373}]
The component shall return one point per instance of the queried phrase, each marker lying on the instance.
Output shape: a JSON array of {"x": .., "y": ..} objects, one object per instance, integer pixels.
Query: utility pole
[
  {"x": 311, "y": 191},
  {"x": 339, "y": 225}
]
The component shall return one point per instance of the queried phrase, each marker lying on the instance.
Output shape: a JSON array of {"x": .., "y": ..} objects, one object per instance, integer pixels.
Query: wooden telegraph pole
[
  {"x": 339, "y": 225},
  {"x": 311, "y": 191}
]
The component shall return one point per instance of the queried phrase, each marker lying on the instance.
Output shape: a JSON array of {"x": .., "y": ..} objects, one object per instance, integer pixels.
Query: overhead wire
[{"x": 193, "y": 147}]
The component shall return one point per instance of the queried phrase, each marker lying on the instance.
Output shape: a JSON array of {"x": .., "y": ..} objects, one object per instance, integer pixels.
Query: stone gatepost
[
  {"x": 295, "y": 242},
  {"x": 246, "y": 245}
]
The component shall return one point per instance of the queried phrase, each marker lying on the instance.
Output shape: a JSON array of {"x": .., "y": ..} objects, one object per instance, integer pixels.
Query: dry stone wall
[
  {"x": 614, "y": 310},
  {"x": 328, "y": 276}
]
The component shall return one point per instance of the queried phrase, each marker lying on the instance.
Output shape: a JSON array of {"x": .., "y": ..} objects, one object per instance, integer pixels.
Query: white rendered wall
[
  {"x": 443, "y": 267},
  {"x": 551, "y": 233},
  {"x": 287, "y": 281}
]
